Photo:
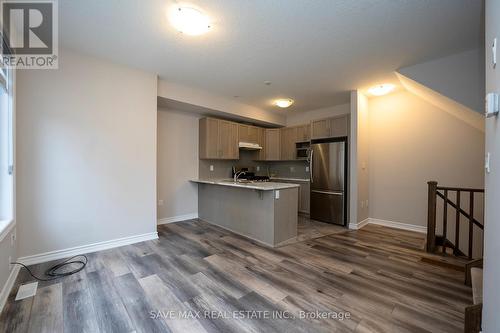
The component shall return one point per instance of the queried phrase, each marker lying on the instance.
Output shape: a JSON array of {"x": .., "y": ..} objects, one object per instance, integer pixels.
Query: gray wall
[
  {"x": 8, "y": 250},
  {"x": 222, "y": 168},
  {"x": 411, "y": 143},
  {"x": 86, "y": 154},
  {"x": 491, "y": 320},
  {"x": 177, "y": 163}
]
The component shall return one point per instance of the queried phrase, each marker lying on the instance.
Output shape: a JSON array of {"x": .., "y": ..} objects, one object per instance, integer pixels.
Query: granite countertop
[
  {"x": 306, "y": 180},
  {"x": 263, "y": 186}
]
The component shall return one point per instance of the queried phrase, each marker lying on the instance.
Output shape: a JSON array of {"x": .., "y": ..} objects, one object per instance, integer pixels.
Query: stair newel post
[{"x": 431, "y": 216}]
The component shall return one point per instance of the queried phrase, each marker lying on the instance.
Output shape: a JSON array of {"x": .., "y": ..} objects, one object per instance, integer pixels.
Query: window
[{"x": 6, "y": 147}]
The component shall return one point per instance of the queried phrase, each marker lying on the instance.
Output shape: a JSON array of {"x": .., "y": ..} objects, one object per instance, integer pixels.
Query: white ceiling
[{"x": 313, "y": 51}]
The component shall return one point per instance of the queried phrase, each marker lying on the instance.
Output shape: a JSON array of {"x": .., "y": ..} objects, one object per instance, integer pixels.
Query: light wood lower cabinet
[
  {"x": 305, "y": 198},
  {"x": 218, "y": 139},
  {"x": 304, "y": 203}
]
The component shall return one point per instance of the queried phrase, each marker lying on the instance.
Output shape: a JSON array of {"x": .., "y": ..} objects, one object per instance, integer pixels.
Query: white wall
[
  {"x": 411, "y": 143},
  {"x": 299, "y": 118},
  {"x": 459, "y": 76},
  {"x": 491, "y": 320},
  {"x": 86, "y": 154},
  {"x": 177, "y": 164}
]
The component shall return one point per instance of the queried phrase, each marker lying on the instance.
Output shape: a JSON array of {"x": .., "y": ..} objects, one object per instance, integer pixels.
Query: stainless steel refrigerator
[{"x": 328, "y": 166}]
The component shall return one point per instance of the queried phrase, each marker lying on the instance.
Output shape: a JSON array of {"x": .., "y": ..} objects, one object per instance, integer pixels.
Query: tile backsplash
[{"x": 223, "y": 168}]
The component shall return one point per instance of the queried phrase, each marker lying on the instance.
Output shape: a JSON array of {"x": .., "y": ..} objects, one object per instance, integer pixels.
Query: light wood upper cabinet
[
  {"x": 303, "y": 133},
  {"x": 330, "y": 128},
  {"x": 339, "y": 126},
  {"x": 209, "y": 138},
  {"x": 272, "y": 144},
  {"x": 228, "y": 140},
  {"x": 243, "y": 133},
  {"x": 320, "y": 129},
  {"x": 261, "y": 140},
  {"x": 218, "y": 139},
  {"x": 288, "y": 138},
  {"x": 248, "y": 133},
  {"x": 253, "y": 134}
]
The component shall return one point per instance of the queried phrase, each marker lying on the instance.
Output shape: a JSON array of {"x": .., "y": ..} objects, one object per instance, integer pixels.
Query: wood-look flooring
[{"x": 376, "y": 275}]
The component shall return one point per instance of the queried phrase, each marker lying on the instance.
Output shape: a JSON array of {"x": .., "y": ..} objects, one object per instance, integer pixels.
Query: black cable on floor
[{"x": 53, "y": 273}]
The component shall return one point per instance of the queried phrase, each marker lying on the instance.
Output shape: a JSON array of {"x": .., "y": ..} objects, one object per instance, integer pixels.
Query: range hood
[{"x": 249, "y": 146}]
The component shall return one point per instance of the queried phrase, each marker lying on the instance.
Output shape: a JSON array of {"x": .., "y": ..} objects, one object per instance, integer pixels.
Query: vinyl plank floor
[{"x": 200, "y": 278}]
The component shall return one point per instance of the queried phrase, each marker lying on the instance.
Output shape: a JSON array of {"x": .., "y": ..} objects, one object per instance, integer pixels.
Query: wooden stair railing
[{"x": 433, "y": 240}]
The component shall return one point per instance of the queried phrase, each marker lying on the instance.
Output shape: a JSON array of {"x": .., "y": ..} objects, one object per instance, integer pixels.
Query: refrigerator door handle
[
  {"x": 327, "y": 192},
  {"x": 311, "y": 167}
]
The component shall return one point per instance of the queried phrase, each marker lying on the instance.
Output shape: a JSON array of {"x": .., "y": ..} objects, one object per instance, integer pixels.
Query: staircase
[{"x": 445, "y": 238}]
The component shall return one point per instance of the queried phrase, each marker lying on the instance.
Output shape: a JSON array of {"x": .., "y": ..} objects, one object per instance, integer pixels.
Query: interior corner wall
[
  {"x": 413, "y": 142},
  {"x": 177, "y": 164},
  {"x": 86, "y": 154},
  {"x": 358, "y": 159},
  {"x": 491, "y": 292},
  {"x": 362, "y": 167}
]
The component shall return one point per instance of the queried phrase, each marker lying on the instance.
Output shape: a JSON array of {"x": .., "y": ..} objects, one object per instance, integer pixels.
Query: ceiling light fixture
[
  {"x": 284, "y": 102},
  {"x": 381, "y": 89},
  {"x": 189, "y": 21}
]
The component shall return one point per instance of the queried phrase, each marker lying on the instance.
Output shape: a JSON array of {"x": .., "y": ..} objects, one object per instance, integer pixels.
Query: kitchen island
[{"x": 263, "y": 211}]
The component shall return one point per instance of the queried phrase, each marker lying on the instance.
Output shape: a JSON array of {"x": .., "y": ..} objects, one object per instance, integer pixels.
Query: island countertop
[{"x": 262, "y": 186}]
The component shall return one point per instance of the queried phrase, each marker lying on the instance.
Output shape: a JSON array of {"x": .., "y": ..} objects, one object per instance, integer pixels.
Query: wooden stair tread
[{"x": 477, "y": 285}]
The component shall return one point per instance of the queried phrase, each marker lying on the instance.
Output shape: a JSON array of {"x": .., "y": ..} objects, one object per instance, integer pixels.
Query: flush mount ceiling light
[
  {"x": 189, "y": 21},
  {"x": 381, "y": 89},
  {"x": 283, "y": 102}
]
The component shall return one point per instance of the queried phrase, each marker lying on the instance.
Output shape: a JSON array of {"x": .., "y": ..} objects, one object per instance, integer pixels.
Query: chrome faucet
[{"x": 238, "y": 174}]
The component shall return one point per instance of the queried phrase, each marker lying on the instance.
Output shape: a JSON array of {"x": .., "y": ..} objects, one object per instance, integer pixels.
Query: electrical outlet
[
  {"x": 160, "y": 202},
  {"x": 211, "y": 168},
  {"x": 307, "y": 169},
  {"x": 277, "y": 194},
  {"x": 292, "y": 169},
  {"x": 366, "y": 204}
]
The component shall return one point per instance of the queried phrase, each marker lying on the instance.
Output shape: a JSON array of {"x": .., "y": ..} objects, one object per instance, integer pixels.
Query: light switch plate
[
  {"x": 487, "y": 162},
  {"x": 277, "y": 194},
  {"x": 211, "y": 168},
  {"x": 307, "y": 169},
  {"x": 26, "y": 291},
  {"x": 258, "y": 168}
]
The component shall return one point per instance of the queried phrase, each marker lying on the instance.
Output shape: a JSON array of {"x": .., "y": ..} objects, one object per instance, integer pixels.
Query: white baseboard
[
  {"x": 178, "y": 218},
  {"x": 399, "y": 225},
  {"x": 4, "y": 294},
  {"x": 359, "y": 225},
  {"x": 390, "y": 224},
  {"x": 74, "y": 251}
]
